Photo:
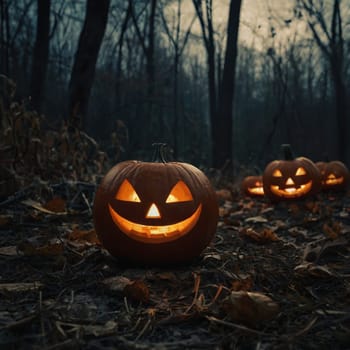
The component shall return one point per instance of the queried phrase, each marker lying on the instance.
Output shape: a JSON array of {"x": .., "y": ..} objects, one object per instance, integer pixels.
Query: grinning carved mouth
[
  {"x": 256, "y": 190},
  {"x": 332, "y": 180},
  {"x": 292, "y": 192},
  {"x": 152, "y": 233}
]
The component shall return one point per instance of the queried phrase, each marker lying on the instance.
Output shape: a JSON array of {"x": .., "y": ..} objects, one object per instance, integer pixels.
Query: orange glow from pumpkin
[
  {"x": 277, "y": 173},
  {"x": 333, "y": 180},
  {"x": 153, "y": 212},
  {"x": 300, "y": 171},
  {"x": 257, "y": 189},
  {"x": 290, "y": 182},
  {"x": 153, "y": 233},
  {"x": 179, "y": 193},
  {"x": 127, "y": 193},
  {"x": 291, "y": 192}
]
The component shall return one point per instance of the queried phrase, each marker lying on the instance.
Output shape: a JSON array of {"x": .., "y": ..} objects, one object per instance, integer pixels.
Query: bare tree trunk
[
  {"x": 120, "y": 57},
  {"x": 222, "y": 142},
  {"x": 41, "y": 53},
  {"x": 343, "y": 124},
  {"x": 4, "y": 37},
  {"x": 337, "y": 68},
  {"x": 147, "y": 41},
  {"x": 179, "y": 47},
  {"x": 208, "y": 39},
  {"x": 220, "y": 112},
  {"x": 85, "y": 60},
  {"x": 331, "y": 43}
]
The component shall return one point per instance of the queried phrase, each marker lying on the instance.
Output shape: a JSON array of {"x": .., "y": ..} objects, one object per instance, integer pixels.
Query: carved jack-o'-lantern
[
  {"x": 335, "y": 175},
  {"x": 155, "y": 212},
  {"x": 253, "y": 185},
  {"x": 291, "y": 178}
]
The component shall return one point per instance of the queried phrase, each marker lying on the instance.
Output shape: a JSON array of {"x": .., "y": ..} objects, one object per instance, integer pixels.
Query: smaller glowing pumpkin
[
  {"x": 291, "y": 178},
  {"x": 335, "y": 175},
  {"x": 253, "y": 186}
]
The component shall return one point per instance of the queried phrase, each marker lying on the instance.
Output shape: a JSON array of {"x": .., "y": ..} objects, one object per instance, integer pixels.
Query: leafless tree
[
  {"x": 223, "y": 137},
  {"x": 328, "y": 34},
  {"x": 4, "y": 36},
  {"x": 178, "y": 43},
  {"x": 41, "y": 52},
  {"x": 146, "y": 39},
  {"x": 221, "y": 93},
  {"x": 85, "y": 60}
]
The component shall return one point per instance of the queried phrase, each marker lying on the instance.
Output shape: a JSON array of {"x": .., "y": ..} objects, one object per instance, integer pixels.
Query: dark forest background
[{"x": 131, "y": 73}]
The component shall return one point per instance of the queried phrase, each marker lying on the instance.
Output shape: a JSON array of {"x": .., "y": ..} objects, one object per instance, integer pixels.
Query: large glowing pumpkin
[
  {"x": 291, "y": 178},
  {"x": 155, "y": 212},
  {"x": 335, "y": 175},
  {"x": 253, "y": 186}
]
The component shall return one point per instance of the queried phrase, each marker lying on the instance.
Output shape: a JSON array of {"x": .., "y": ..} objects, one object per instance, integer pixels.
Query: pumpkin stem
[
  {"x": 287, "y": 152},
  {"x": 159, "y": 152}
]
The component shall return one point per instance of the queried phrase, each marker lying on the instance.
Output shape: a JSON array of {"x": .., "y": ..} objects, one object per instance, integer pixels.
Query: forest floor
[{"x": 276, "y": 276}]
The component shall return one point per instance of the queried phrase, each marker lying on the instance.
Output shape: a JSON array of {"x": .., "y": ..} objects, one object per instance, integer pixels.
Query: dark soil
[{"x": 276, "y": 276}]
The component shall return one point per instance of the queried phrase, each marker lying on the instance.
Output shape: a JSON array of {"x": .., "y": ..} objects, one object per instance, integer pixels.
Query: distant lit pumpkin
[
  {"x": 253, "y": 185},
  {"x": 291, "y": 178},
  {"x": 335, "y": 175},
  {"x": 155, "y": 212}
]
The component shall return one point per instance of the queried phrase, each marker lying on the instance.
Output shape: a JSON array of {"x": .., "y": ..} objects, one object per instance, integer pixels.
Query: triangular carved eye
[
  {"x": 277, "y": 173},
  {"x": 300, "y": 171},
  {"x": 179, "y": 193},
  {"x": 127, "y": 193}
]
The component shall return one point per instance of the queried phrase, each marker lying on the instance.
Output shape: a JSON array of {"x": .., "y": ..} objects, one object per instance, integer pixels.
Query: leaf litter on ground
[{"x": 275, "y": 276}]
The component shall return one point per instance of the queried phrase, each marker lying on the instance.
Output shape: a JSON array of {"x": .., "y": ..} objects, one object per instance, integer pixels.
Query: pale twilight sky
[{"x": 254, "y": 16}]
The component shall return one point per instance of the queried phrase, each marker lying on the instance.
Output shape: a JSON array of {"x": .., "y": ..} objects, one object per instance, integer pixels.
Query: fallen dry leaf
[
  {"x": 56, "y": 205},
  {"x": 117, "y": 283},
  {"x": 312, "y": 206},
  {"x": 332, "y": 229},
  {"x": 216, "y": 257},
  {"x": 20, "y": 287},
  {"x": 294, "y": 208},
  {"x": 310, "y": 269},
  {"x": 263, "y": 236},
  {"x": 97, "y": 330},
  {"x": 224, "y": 195},
  {"x": 51, "y": 249},
  {"x": 136, "y": 290},
  {"x": 298, "y": 231},
  {"x": 9, "y": 250},
  {"x": 83, "y": 235},
  {"x": 5, "y": 219},
  {"x": 256, "y": 219},
  {"x": 249, "y": 308},
  {"x": 40, "y": 207},
  {"x": 313, "y": 252},
  {"x": 166, "y": 276},
  {"x": 225, "y": 209},
  {"x": 243, "y": 284}
]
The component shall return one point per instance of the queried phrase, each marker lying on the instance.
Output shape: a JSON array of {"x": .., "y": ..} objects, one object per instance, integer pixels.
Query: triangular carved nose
[
  {"x": 153, "y": 212},
  {"x": 289, "y": 181}
]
